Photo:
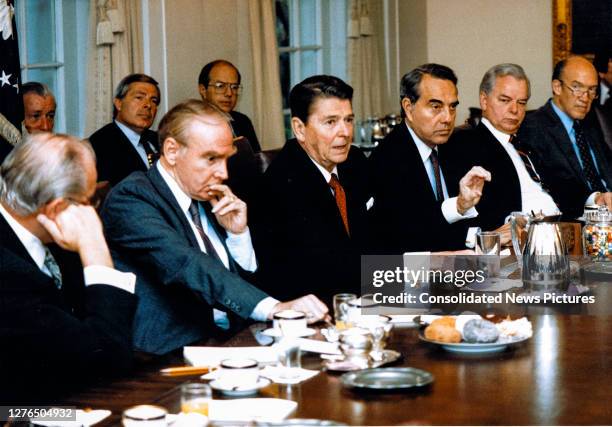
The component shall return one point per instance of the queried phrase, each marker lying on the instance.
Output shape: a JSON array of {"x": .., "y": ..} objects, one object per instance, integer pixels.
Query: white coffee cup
[
  {"x": 290, "y": 322},
  {"x": 238, "y": 372}
]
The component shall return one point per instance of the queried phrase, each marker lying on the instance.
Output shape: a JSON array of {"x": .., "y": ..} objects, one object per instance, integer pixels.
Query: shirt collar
[
  {"x": 183, "y": 199},
  {"x": 502, "y": 137},
  {"x": 568, "y": 122},
  {"x": 604, "y": 92},
  {"x": 129, "y": 133},
  {"x": 424, "y": 149},
  {"x": 326, "y": 174},
  {"x": 33, "y": 244}
]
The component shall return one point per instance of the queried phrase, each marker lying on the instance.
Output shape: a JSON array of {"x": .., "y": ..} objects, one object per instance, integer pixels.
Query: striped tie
[
  {"x": 588, "y": 167},
  {"x": 53, "y": 268}
]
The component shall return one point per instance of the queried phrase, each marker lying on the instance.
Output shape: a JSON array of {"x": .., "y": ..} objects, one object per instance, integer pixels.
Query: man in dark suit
[
  {"x": 219, "y": 84},
  {"x": 515, "y": 184},
  {"x": 310, "y": 226},
  {"x": 565, "y": 142},
  {"x": 186, "y": 235},
  {"x": 127, "y": 145},
  {"x": 413, "y": 208},
  {"x": 54, "y": 327}
]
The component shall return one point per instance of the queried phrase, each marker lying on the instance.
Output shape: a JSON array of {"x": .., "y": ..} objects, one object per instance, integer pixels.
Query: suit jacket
[
  {"x": 604, "y": 117},
  {"x": 300, "y": 239},
  {"x": 50, "y": 336},
  {"x": 116, "y": 157},
  {"x": 243, "y": 126},
  {"x": 478, "y": 147},
  {"x": 555, "y": 160},
  {"x": 406, "y": 215},
  {"x": 177, "y": 283}
]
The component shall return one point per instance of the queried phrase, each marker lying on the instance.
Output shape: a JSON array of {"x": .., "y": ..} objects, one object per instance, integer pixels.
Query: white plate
[
  {"x": 476, "y": 348},
  {"x": 239, "y": 391},
  {"x": 275, "y": 333}
]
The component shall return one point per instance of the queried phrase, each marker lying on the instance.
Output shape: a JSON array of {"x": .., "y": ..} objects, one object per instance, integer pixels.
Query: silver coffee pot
[{"x": 545, "y": 260}]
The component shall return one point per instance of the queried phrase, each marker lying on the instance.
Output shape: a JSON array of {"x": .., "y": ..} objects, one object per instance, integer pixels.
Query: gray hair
[
  {"x": 38, "y": 88},
  {"x": 503, "y": 70},
  {"x": 43, "y": 168}
]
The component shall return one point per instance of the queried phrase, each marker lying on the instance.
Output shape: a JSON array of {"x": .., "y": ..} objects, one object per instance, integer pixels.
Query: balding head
[{"x": 574, "y": 86}]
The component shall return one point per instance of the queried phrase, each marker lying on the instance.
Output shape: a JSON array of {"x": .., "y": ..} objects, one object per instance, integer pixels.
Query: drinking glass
[
  {"x": 341, "y": 310},
  {"x": 488, "y": 246},
  {"x": 195, "y": 397}
]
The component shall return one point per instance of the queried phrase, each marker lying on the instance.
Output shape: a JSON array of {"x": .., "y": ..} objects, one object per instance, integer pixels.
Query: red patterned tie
[{"x": 340, "y": 200}]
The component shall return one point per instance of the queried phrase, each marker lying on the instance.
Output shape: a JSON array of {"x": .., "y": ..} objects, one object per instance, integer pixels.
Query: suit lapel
[
  {"x": 555, "y": 127},
  {"x": 409, "y": 150},
  {"x": 164, "y": 191},
  {"x": 125, "y": 146}
]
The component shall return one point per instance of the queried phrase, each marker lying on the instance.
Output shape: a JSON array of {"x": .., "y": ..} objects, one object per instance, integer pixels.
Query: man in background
[
  {"x": 38, "y": 107},
  {"x": 603, "y": 105},
  {"x": 126, "y": 144},
  {"x": 566, "y": 142}
]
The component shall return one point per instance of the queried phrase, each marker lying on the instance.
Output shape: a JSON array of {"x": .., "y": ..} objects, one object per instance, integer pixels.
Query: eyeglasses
[
  {"x": 221, "y": 87},
  {"x": 579, "y": 90}
]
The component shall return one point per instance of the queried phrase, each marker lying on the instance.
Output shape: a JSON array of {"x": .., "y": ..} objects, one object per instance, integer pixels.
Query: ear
[
  {"x": 117, "y": 103},
  {"x": 170, "y": 150},
  {"x": 299, "y": 129},
  {"x": 202, "y": 90},
  {"x": 556, "y": 87},
  {"x": 483, "y": 101},
  {"x": 407, "y": 107},
  {"x": 54, "y": 207}
]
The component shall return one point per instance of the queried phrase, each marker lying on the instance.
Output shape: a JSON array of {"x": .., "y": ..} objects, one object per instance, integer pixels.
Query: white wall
[{"x": 470, "y": 36}]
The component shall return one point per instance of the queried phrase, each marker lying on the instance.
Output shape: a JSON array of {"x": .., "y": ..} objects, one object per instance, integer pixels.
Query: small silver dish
[{"x": 387, "y": 378}]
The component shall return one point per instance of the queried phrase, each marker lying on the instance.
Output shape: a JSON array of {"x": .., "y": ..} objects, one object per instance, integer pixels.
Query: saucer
[
  {"x": 239, "y": 390},
  {"x": 275, "y": 333}
]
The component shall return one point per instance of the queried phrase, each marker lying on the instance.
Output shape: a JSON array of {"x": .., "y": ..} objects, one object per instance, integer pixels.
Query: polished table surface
[{"x": 561, "y": 376}]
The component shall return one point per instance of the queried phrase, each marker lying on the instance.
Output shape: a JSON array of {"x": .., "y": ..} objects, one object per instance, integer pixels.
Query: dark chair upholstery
[{"x": 264, "y": 158}]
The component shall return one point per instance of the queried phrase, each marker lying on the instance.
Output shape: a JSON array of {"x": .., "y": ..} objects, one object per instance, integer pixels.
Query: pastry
[
  {"x": 443, "y": 330},
  {"x": 480, "y": 331}
]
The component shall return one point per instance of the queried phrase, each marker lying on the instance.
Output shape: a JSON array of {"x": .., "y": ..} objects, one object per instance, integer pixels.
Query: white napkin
[
  {"x": 212, "y": 356},
  {"x": 244, "y": 410},
  {"x": 316, "y": 346},
  {"x": 83, "y": 419},
  {"x": 402, "y": 318},
  {"x": 275, "y": 373}
]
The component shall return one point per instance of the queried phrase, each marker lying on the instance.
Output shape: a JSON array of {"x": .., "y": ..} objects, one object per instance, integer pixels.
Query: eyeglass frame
[
  {"x": 578, "y": 93},
  {"x": 221, "y": 87}
]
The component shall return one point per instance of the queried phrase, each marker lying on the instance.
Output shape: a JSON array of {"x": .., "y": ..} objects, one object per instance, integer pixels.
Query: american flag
[{"x": 11, "y": 104}]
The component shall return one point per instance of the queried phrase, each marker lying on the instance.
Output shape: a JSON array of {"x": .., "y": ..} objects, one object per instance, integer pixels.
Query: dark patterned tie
[
  {"x": 194, "y": 212},
  {"x": 53, "y": 268},
  {"x": 149, "y": 147},
  {"x": 525, "y": 158},
  {"x": 436, "y": 169},
  {"x": 340, "y": 195},
  {"x": 588, "y": 167}
]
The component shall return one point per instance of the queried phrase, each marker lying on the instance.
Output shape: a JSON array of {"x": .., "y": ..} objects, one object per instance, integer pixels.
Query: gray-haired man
[
  {"x": 515, "y": 184},
  {"x": 127, "y": 145},
  {"x": 53, "y": 326}
]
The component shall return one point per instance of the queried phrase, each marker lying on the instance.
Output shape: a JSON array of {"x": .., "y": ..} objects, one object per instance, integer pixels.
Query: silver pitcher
[{"x": 545, "y": 260}]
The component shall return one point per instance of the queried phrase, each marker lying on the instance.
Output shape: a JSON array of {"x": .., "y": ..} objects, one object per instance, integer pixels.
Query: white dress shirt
[
  {"x": 240, "y": 247},
  {"x": 533, "y": 197},
  {"x": 449, "y": 205},
  {"x": 134, "y": 139},
  {"x": 326, "y": 174},
  {"x": 604, "y": 93},
  {"x": 93, "y": 274}
]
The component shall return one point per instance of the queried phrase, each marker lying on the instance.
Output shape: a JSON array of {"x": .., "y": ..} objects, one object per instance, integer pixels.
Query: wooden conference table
[{"x": 561, "y": 376}]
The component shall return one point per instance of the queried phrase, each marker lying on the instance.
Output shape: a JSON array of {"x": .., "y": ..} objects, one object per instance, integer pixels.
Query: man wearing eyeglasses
[
  {"x": 565, "y": 142},
  {"x": 219, "y": 83}
]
